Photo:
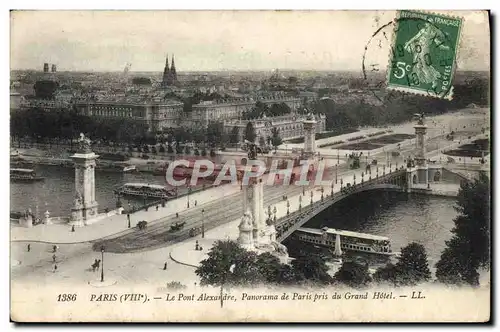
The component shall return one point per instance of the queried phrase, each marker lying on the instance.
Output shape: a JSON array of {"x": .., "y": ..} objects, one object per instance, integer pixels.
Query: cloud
[{"x": 208, "y": 40}]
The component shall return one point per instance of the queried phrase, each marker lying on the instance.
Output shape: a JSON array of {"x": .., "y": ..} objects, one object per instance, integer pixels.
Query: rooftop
[{"x": 343, "y": 233}]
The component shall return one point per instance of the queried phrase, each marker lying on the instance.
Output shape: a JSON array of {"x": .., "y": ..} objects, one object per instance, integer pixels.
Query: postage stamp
[{"x": 423, "y": 54}]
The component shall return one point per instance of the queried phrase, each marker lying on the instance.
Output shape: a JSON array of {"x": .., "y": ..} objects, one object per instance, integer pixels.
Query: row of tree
[
  {"x": 466, "y": 252},
  {"x": 396, "y": 107},
  {"x": 252, "y": 269},
  {"x": 65, "y": 125}
]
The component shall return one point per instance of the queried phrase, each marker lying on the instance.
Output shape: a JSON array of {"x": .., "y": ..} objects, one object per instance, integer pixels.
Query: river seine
[{"x": 401, "y": 217}]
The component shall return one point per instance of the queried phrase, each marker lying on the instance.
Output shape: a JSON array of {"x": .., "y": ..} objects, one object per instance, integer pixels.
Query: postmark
[{"x": 423, "y": 53}]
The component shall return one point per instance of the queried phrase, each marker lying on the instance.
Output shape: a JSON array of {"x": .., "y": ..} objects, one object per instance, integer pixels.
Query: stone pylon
[
  {"x": 309, "y": 135},
  {"x": 85, "y": 204},
  {"x": 419, "y": 174}
]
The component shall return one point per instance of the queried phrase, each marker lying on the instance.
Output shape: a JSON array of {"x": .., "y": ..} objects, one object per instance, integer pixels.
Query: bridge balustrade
[{"x": 286, "y": 225}]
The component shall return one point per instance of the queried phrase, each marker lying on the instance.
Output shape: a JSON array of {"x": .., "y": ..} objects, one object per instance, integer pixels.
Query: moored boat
[
  {"x": 24, "y": 175},
  {"x": 145, "y": 190},
  {"x": 129, "y": 168}
]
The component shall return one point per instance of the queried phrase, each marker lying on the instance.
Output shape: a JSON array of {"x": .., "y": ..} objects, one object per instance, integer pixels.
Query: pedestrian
[
  {"x": 73, "y": 228},
  {"x": 157, "y": 208},
  {"x": 165, "y": 266},
  {"x": 55, "y": 268},
  {"x": 29, "y": 247},
  {"x": 177, "y": 214},
  {"x": 195, "y": 202},
  {"x": 54, "y": 248},
  {"x": 54, "y": 258},
  {"x": 197, "y": 246}
]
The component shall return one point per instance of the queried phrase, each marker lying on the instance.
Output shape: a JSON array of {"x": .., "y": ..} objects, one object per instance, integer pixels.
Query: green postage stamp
[{"x": 423, "y": 53}]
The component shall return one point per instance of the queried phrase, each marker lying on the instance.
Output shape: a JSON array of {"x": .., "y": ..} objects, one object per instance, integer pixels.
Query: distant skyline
[{"x": 216, "y": 40}]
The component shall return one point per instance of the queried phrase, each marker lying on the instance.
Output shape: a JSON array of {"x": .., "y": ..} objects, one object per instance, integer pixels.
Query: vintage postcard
[{"x": 250, "y": 166}]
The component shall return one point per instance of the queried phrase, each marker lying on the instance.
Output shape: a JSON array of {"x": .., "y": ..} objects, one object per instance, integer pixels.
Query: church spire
[
  {"x": 166, "y": 73},
  {"x": 173, "y": 71}
]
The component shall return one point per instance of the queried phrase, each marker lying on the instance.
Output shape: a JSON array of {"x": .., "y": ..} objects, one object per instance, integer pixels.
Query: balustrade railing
[{"x": 293, "y": 220}]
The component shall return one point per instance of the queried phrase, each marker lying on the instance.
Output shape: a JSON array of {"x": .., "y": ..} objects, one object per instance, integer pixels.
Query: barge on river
[
  {"x": 24, "y": 175},
  {"x": 145, "y": 190},
  {"x": 349, "y": 241}
]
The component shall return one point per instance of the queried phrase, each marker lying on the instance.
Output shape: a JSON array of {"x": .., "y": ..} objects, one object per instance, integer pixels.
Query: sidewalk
[{"x": 61, "y": 233}]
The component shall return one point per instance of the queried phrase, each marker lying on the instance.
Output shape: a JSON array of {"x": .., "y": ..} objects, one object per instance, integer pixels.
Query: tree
[
  {"x": 387, "y": 273},
  {"x": 269, "y": 267},
  {"x": 287, "y": 275},
  {"x": 353, "y": 274},
  {"x": 234, "y": 137},
  {"x": 250, "y": 134},
  {"x": 311, "y": 267},
  {"x": 215, "y": 130},
  {"x": 275, "y": 138},
  {"x": 412, "y": 266},
  {"x": 215, "y": 270},
  {"x": 469, "y": 247}
]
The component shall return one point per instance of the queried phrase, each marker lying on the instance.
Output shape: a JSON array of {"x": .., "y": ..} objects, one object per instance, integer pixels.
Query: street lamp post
[
  {"x": 362, "y": 177},
  {"x": 128, "y": 217},
  {"x": 332, "y": 188},
  {"x": 312, "y": 196},
  {"x": 336, "y": 166},
  {"x": 341, "y": 183},
  {"x": 354, "y": 179},
  {"x": 102, "y": 262},
  {"x": 287, "y": 207},
  {"x": 322, "y": 193},
  {"x": 189, "y": 192},
  {"x": 203, "y": 223},
  {"x": 300, "y": 202}
]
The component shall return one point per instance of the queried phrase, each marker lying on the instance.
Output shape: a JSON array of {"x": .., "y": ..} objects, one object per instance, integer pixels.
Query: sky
[{"x": 217, "y": 40}]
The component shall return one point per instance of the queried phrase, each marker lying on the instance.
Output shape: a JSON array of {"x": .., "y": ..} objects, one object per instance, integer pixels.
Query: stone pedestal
[
  {"x": 255, "y": 234},
  {"x": 85, "y": 204},
  {"x": 46, "y": 219},
  {"x": 245, "y": 239}
]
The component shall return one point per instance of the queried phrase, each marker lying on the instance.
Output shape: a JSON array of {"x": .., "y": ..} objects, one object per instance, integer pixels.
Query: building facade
[
  {"x": 156, "y": 115},
  {"x": 205, "y": 112},
  {"x": 289, "y": 126}
]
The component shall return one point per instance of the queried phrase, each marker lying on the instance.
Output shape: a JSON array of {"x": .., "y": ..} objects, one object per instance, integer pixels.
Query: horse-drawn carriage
[
  {"x": 194, "y": 231},
  {"x": 142, "y": 224},
  {"x": 177, "y": 226}
]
